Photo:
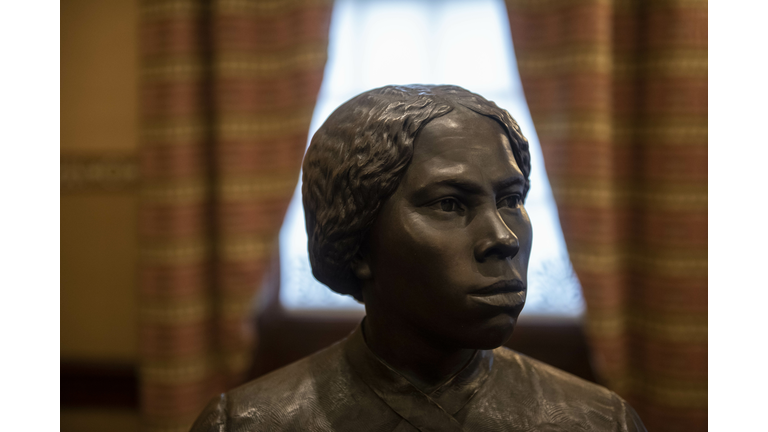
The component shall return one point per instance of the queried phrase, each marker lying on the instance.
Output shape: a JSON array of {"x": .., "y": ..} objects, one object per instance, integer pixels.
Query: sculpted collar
[{"x": 426, "y": 412}]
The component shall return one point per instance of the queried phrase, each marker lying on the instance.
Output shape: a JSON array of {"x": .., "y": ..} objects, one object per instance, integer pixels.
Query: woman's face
[{"x": 448, "y": 253}]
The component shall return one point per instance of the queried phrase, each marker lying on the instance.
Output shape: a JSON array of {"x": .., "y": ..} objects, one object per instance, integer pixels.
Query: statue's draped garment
[{"x": 346, "y": 387}]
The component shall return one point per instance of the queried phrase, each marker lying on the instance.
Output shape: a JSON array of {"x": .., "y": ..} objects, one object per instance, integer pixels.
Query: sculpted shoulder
[
  {"x": 552, "y": 397},
  {"x": 542, "y": 377},
  {"x": 286, "y": 399}
]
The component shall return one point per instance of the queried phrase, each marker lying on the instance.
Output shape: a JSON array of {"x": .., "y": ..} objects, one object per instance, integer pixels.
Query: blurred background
[{"x": 183, "y": 125}]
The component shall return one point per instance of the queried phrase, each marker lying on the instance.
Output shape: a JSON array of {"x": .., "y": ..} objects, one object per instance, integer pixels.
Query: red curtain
[
  {"x": 618, "y": 95},
  {"x": 228, "y": 90}
]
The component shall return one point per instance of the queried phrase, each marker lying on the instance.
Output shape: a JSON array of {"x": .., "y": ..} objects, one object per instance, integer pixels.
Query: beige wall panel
[
  {"x": 99, "y": 76},
  {"x": 98, "y": 277}
]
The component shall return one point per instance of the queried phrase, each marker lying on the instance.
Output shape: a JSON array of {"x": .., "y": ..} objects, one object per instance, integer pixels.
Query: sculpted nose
[{"x": 496, "y": 239}]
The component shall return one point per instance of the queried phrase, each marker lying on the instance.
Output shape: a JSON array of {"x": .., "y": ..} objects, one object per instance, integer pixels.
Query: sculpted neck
[{"x": 421, "y": 359}]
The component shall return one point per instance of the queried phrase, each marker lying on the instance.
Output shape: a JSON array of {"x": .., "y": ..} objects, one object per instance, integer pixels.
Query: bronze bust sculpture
[{"x": 414, "y": 206}]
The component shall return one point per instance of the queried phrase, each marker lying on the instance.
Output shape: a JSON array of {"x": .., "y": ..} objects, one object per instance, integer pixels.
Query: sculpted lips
[{"x": 508, "y": 294}]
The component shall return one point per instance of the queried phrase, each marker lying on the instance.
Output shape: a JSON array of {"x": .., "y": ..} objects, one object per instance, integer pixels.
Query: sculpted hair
[{"x": 357, "y": 158}]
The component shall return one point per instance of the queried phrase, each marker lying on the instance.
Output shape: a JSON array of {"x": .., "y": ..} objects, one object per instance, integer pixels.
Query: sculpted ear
[{"x": 361, "y": 268}]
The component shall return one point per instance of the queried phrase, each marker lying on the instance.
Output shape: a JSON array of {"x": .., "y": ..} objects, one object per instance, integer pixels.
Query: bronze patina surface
[{"x": 414, "y": 198}]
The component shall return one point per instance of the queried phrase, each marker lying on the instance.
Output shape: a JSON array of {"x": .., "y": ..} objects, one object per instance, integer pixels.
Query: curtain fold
[
  {"x": 228, "y": 88},
  {"x": 618, "y": 94}
]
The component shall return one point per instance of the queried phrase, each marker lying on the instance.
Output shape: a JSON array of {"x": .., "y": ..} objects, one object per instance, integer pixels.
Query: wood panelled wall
[
  {"x": 99, "y": 83},
  {"x": 98, "y": 195}
]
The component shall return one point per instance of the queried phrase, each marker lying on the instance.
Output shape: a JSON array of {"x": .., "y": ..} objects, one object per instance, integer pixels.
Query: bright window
[{"x": 466, "y": 43}]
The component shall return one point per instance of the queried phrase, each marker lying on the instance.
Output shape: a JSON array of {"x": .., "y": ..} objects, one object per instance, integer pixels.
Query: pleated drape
[
  {"x": 618, "y": 94},
  {"x": 228, "y": 88}
]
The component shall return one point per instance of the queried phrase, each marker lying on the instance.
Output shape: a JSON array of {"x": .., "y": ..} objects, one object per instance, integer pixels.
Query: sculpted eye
[
  {"x": 510, "y": 201},
  {"x": 449, "y": 205}
]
